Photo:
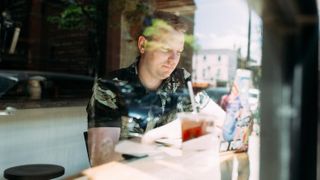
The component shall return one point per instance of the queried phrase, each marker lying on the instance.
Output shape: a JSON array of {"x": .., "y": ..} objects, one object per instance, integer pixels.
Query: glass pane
[
  {"x": 53, "y": 50},
  {"x": 228, "y": 58}
]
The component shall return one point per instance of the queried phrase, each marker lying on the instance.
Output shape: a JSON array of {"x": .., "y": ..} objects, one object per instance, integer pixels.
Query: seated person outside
[{"x": 155, "y": 72}]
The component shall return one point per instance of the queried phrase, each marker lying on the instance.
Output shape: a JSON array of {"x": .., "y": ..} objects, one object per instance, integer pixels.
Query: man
[{"x": 157, "y": 77}]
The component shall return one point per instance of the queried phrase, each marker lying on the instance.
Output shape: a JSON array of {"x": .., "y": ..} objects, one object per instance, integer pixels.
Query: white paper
[{"x": 135, "y": 148}]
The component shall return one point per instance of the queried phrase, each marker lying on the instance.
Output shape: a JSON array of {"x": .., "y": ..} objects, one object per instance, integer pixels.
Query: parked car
[
  {"x": 216, "y": 93},
  {"x": 35, "y": 85},
  {"x": 254, "y": 99}
]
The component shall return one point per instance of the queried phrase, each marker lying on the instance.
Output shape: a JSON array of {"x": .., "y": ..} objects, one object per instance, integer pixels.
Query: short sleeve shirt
[{"x": 111, "y": 107}]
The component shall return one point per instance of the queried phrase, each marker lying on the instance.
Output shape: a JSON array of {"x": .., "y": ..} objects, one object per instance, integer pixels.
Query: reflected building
[{"x": 216, "y": 66}]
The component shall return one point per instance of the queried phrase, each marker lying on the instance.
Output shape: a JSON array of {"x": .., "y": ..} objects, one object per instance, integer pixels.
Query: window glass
[
  {"x": 54, "y": 49},
  {"x": 228, "y": 58}
]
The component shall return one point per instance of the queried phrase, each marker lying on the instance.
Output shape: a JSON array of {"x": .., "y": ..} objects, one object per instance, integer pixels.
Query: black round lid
[{"x": 34, "y": 172}]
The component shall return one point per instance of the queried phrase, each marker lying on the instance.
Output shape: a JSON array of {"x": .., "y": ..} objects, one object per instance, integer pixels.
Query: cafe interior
[{"x": 53, "y": 51}]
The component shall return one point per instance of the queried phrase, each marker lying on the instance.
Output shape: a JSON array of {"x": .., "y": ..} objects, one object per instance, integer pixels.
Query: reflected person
[{"x": 155, "y": 71}]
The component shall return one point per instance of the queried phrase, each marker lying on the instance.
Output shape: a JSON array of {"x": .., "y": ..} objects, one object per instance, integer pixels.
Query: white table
[{"x": 198, "y": 159}]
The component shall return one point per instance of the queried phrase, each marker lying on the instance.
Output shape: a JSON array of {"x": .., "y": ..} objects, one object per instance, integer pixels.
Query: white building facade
[{"x": 214, "y": 65}]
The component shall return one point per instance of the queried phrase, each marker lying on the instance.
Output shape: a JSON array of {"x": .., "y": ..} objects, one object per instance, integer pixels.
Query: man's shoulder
[{"x": 123, "y": 74}]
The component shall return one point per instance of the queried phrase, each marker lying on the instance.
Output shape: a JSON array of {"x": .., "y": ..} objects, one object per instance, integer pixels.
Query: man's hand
[{"x": 171, "y": 130}]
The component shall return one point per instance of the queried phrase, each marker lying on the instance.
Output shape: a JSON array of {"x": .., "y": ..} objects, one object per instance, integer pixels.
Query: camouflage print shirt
[{"x": 110, "y": 105}]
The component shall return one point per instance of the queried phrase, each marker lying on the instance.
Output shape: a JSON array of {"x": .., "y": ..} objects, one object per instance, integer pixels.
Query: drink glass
[{"x": 194, "y": 125}]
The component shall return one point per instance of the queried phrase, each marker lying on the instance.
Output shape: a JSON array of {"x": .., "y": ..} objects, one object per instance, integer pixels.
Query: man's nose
[{"x": 174, "y": 55}]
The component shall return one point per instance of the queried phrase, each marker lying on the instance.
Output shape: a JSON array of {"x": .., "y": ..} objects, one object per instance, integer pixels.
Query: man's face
[{"x": 162, "y": 53}]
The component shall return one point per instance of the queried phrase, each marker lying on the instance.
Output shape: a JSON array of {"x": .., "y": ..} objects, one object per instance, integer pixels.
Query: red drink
[
  {"x": 194, "y": 125},
  {"x": 192, "y": 129}
]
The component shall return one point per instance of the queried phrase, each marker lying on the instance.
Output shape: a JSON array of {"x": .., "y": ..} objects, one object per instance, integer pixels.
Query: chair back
[{"x": 85, "y": 136}]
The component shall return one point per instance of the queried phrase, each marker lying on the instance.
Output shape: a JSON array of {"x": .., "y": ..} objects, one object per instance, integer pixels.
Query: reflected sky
[{"x": 223, "y": 24}]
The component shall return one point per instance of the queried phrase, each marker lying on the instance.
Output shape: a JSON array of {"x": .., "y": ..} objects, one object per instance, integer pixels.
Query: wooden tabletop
[{"x": 197, "y": 159}]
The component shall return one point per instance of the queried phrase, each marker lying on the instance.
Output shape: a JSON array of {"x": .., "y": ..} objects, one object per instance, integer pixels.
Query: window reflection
[{"x": 92, "y": 38}]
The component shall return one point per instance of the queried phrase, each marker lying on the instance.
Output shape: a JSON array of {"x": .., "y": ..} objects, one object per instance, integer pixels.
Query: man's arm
[
  {"x": 216, "y": 111},
  {"x": 101, "y": 143},
  {"x": 104, "y": 122}
]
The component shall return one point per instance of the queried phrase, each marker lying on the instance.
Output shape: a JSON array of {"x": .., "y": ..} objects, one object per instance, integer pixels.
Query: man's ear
[{"x": 141, "y": 44}]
